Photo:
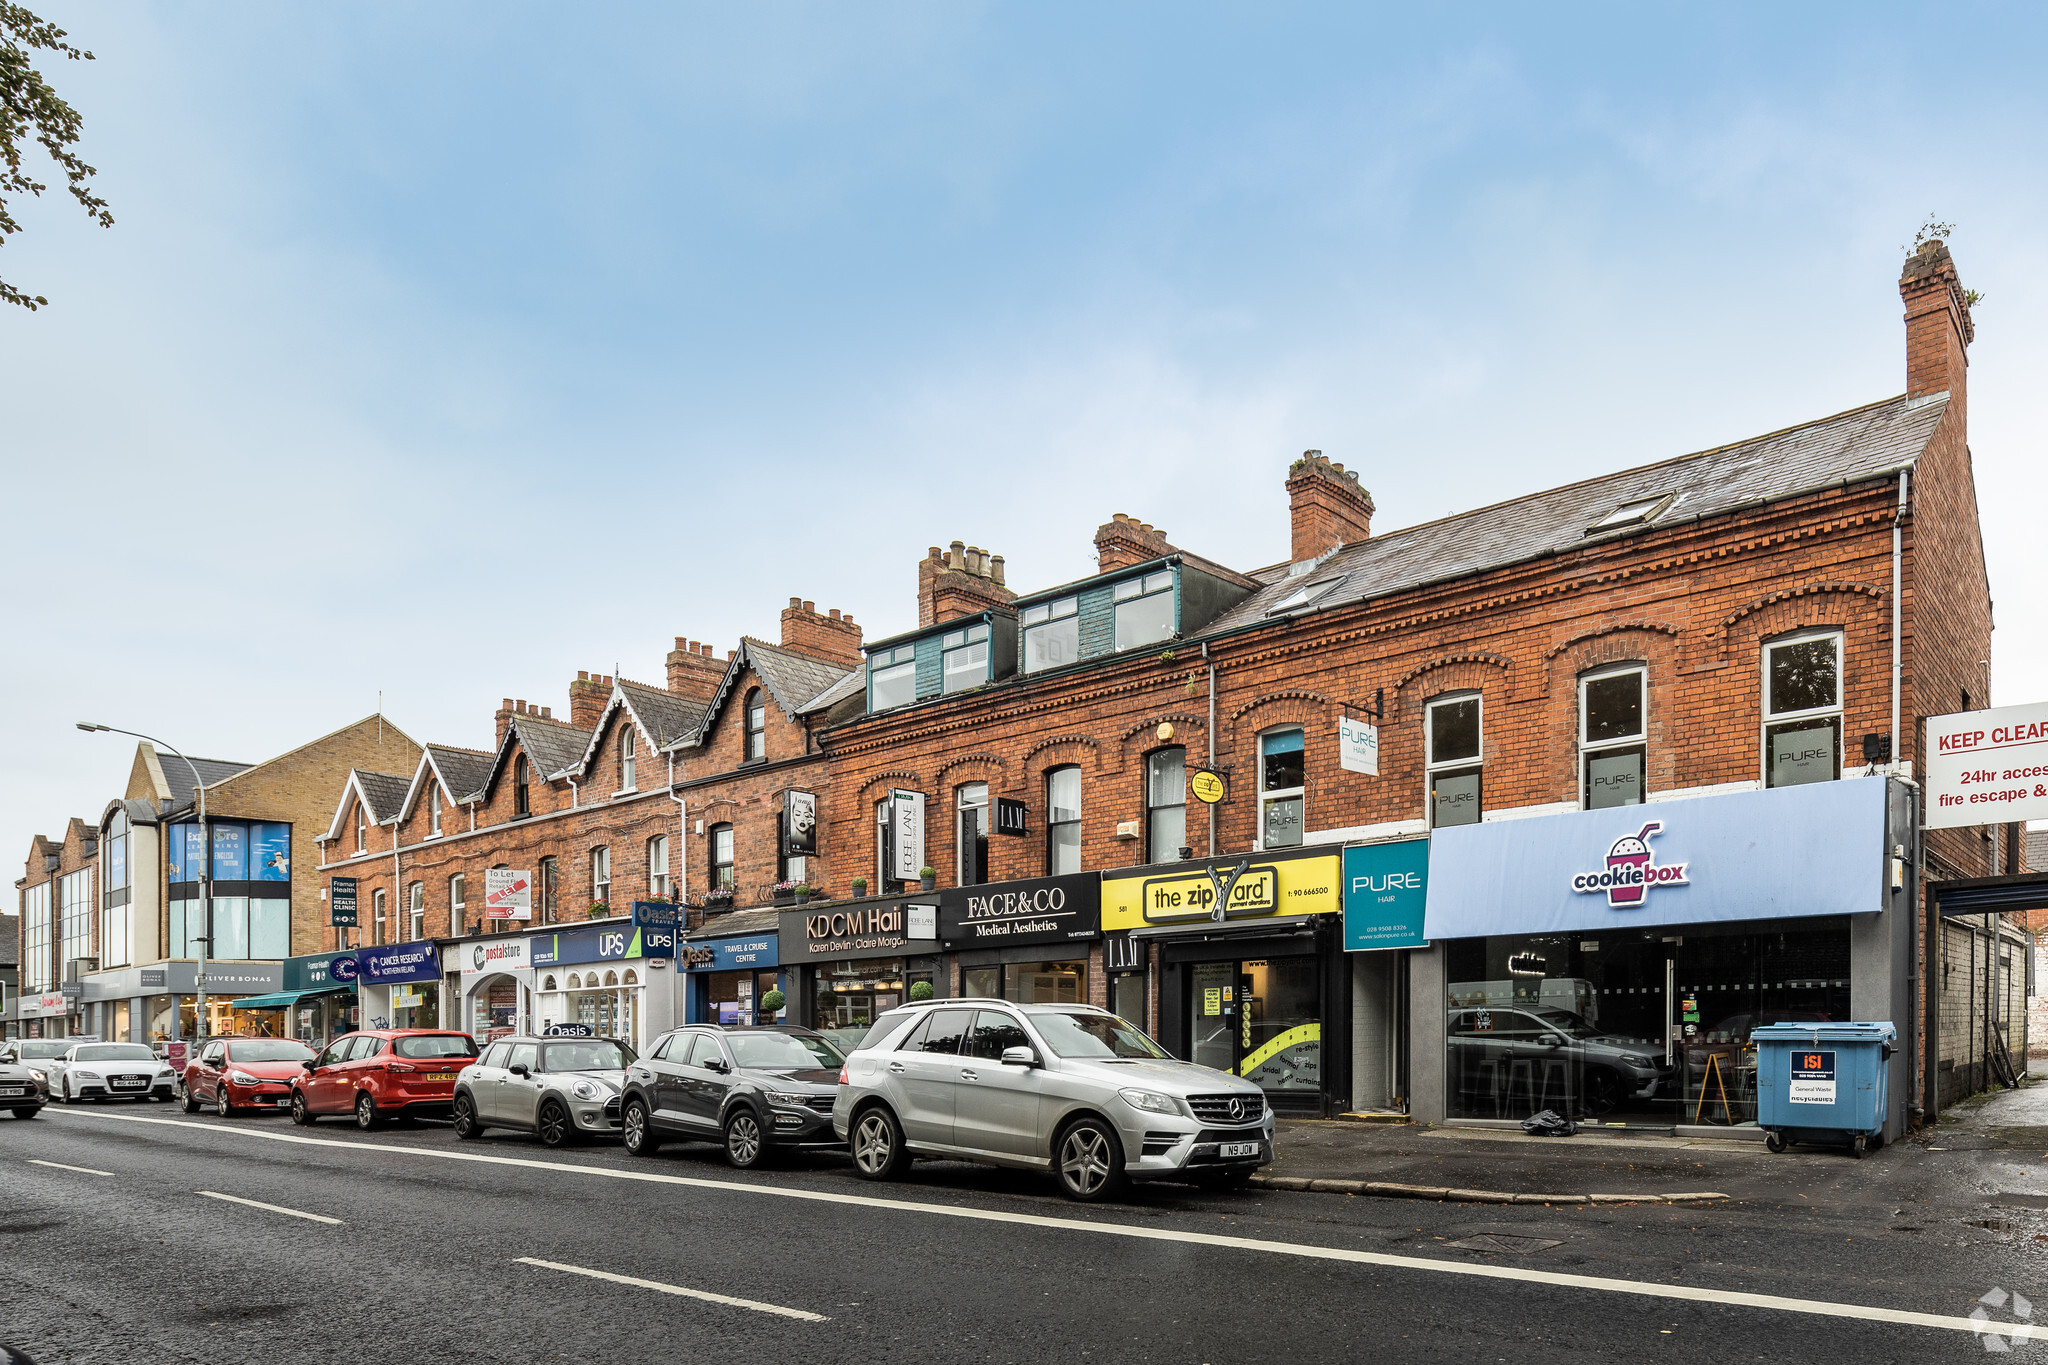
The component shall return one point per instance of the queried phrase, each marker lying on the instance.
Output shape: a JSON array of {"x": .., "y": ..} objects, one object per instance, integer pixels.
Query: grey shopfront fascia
[{"x": 178, "y": 979}]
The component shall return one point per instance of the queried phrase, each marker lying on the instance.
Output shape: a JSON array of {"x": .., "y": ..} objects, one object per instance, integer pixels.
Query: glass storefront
[
  {"x": 850, "y": 994},
  {"x": 734, "y": 997},
  {"x": 1028, "y": 983},
  {"x": 1260, "y": 1018},
  {"x": 416, "y": 1006},
  {"x": 1646, "y": 1026}
]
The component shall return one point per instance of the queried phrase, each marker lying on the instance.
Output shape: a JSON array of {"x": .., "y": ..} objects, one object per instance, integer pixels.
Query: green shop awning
[{"x": 280, "y": 999}]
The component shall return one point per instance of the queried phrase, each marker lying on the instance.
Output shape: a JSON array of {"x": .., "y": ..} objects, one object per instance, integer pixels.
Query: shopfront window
[
  {"x": 607, "y": 1002},
  {"x": 852, "y": 995},
  {"x": 1052, "y": 634},
  {"x": 1127, "y": 997},
  {"x": 1063, "y": 821},
  {"x": 416, "y": 1006},
  {"x": 1166, "y": 805},
  {"x": 971, "y": 833},
  {"x": 1453, "y": 740},
  {"x": 735, "y": 997},
  {"x": 964, "y": 658},
  {"x": 1803, "y": 709},
  {"x": 1029, "y": 983},
  {"x": 1144, "y": 610},
  {"x": 1646, "y": 1026},
  {"x": 1282, "y": 781},
  {"x": 1262, "y": 1019},
  {"x": 1611, "y": 734}
]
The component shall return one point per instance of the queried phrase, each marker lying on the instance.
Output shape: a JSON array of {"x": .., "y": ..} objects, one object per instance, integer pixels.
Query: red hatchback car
[
  {"x": 243, "y": 1073},
  {"x": 383, "y": 1073}
]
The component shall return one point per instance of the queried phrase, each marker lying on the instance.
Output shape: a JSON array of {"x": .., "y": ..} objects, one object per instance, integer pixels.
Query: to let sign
[
  {"x": 508, "y": 893},
  {"x": 1987, "y": 767}
]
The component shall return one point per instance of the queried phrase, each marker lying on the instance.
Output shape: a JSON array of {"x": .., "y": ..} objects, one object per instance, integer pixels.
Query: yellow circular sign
[{"x": 1207, "y": 786}]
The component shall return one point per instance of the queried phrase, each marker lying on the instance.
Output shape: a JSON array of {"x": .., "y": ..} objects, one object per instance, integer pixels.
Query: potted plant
[
  {"x": 785, "y": 892},
  {"x": 920, "y": 990},
  {"x": 860, "y": 887},
  {"x": 771, "y": 1004},
  {"x": 600, "y": 909},
  {"x": 801, "y": 892},
  {"x": 718, "y": 898},
  {"x": 927, "y": 877}
]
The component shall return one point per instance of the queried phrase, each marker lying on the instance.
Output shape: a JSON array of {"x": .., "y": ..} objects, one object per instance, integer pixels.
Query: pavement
[{"x": 134, "y": 1233}]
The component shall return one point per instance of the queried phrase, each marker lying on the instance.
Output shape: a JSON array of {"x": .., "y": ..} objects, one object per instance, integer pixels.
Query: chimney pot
[
  {"x": 547, "y": 713},
  {"x": 835, "y": 613},
  {"x": 679, "y": 642},
  {"x": 1326, "y": 506},
  {"x": 810, "y": 606},
  {"x": 522, "y": 704},
  {"x": 582, "y": 675},
  {"x": 995, "y": 568},
  {"x": 794, "y": 601},
  {"x": 506, "y": 705}
]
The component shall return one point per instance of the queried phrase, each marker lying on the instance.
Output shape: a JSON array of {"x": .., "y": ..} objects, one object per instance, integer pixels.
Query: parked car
[
  {"x": 750, "y": 1089},
  {"x": 36, "y": 1054},
  {"x": 378, "y": 1074},
  {"x": 243, "y": 1073},
  {"x": 1068, "y": 1088},
  {"x": 21, "y": 1090},
  {"x": 108, "y": 1071},
  {"x": 554, "y": 1088},
  {"x": 1508, "y": 1061}
]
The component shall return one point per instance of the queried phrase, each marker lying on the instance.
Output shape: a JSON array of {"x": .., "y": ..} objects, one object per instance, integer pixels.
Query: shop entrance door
[{"x": 1261, "y": 1018}]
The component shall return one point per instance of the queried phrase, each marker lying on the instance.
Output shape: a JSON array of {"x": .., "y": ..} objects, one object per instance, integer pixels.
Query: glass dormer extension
[{"x": 938, "y": 661}]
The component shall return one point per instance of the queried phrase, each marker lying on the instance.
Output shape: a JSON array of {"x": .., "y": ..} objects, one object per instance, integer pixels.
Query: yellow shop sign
[{"x": 1269, "y": 886}]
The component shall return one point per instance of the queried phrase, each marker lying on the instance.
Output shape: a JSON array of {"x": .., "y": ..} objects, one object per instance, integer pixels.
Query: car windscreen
[
  {"x": 268, "y": 1050},
  {"x": 41, "y": 1052},
  {"x": 1090, "y": 1035},
  {"x": 116, "y": 1052},
  {"x": 437, "y": 1045},
  {"x": 782, "y": 1051},
  {"x": 585, "y": 1054}
]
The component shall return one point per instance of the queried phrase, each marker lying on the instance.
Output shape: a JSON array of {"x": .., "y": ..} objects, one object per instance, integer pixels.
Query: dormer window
[
  {"x": 757, "y": 725},
  {"x": 892, "y": 678},
  {"x": 1144, "y": 610},
  {"x": 1302, "y": 596},
  {"x": 1052, "y": 634},
  {"x": 1636, "y": 512},
  {"x": 628, "y": 743},
  {"x": 965, "y": 658}
]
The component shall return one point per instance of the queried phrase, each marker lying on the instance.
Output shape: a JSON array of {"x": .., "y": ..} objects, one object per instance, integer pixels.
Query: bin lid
[{"x": 1821, "y": 1032}]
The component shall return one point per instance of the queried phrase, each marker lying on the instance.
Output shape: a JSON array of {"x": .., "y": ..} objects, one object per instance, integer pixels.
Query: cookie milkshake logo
[{"x": 1631, "y": 871}]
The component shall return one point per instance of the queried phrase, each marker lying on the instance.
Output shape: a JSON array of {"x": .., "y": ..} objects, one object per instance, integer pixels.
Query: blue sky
[{"x": 444, "y": 350}]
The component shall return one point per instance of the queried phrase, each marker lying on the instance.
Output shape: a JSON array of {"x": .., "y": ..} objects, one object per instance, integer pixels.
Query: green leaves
[{"x": 30, "y": 108}]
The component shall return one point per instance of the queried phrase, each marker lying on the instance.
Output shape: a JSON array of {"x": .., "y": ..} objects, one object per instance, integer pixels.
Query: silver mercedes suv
[{"x": 1067, "y": 1088}]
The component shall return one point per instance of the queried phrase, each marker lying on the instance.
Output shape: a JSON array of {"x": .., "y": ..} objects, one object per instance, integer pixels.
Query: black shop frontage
[
  {"x": 849, "y": 961},
  {"x": 1032, "y": 942}
]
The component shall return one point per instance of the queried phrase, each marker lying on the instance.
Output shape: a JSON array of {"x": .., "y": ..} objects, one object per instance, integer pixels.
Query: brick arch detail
[
  {"x": 1654, "y": 645},
  {"x": 1142, "y": 732},
  {"x": 997, "y": 766},
  {"x": 1465, "y": 670},
  {"x": 901, "y": 777},
  {"x": 1033, "y": 763},
  {"x": 1811, "y": 604},
  {"x": 1297, "y": 704}
]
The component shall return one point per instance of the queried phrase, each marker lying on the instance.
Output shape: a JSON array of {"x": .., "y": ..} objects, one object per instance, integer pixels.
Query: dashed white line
[
  {"x": 269, "y": 1208},
  {"x": 1721, "y": 1298},
  {"x": 728, "y": 1300},
  {"x": 60, "y": 1166}
]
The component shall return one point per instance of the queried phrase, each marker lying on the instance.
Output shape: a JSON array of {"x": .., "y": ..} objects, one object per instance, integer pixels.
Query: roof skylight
[
  {"x": 1634, "y": 512},
  {"x": 1302, "y": 596}
]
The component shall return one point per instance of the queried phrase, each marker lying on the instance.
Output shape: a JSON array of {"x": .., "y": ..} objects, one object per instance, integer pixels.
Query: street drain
[{"x": 1504, "y": 1242}]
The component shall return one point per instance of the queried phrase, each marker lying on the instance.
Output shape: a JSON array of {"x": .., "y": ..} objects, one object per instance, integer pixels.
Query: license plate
[
  {"x": 284, "y": 1101},
  {"x": 129, "y": 1085},
  {"x": 1231, "y": 1149},
  {"x": 12, "y": 1090},
  {"x": 438, "y": 1076}
]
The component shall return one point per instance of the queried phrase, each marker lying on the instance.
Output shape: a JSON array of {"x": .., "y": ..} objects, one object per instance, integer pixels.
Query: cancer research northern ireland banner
[{"x": 1815, "y": 849}]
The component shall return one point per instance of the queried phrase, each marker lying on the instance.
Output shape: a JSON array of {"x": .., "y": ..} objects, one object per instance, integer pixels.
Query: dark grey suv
[{"x": 749, "y": 1089}]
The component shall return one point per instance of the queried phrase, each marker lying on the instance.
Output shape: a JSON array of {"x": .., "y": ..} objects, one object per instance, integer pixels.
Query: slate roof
[
  {"x": 464, "y": 770},
  {"x": 553, "y": 745},
  {"x": 853, "y": 684},
  {"x": 1859, "y": 444},
  {"x": 178, "y": 777},
  {"x": 794, "y": 680},
  {"x": 383, "y": 793},
  {"x": 666, "y": 716},
  {"x": 736, "y": 922},
  {"x": 2037, "y": 850}
]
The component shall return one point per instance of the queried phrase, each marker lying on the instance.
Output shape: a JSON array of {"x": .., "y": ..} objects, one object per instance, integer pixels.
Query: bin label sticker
[{"x": 1813, "y": 1077}]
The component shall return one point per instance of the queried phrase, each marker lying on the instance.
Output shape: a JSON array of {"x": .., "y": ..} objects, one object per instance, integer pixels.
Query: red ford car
[
  {"x": 243, "y": 1073},
  {"x": 383, "y": 1073}
]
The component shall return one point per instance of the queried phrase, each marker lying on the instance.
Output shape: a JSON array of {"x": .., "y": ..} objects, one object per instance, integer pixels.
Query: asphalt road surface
[{"x": 137, "y": 1234}]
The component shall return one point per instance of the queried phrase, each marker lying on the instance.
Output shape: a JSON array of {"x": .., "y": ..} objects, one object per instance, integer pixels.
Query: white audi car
[{"x": 108, "y": 1071}]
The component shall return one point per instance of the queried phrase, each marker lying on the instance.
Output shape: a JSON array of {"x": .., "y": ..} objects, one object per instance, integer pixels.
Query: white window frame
[
  {"x": 961, "y": 642},
  {"x": 1154, "y": 854},
  {"x": 732, "y": 857},
  {"x": 1044, "y": 614},
  {"x": 415, "y": 912},
  {"x": 1434, "y": 767},
  {"x": 601, "y": 873},
  {"x": 962, "y": 804},
  {"x": 629, "y": 766},
  {"x": 1052, "y": 824},
  {"x": 378, "y": 907},
  {"x": 458, "y": 902},
  {"x": 657, "y": 867},
  {"x": 1589, "y": 749},
  {"x": 1769, "y": 719},
  {"x": 1269, "y": 795},
  {"x": 756, "y": 706},
  {"x": 362, "y": 827},
  {"x": 900, "y": 662},
  {"x": 433, "y": 810}
]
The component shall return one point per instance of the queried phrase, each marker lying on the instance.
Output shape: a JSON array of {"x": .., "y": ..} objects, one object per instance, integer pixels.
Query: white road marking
[
  {"x": 60, "y": 1166},
  {"x": 272, "y": 1208},
  {"x": 1601, "y": 1284},
  {"x": 799, "y": 1314}
]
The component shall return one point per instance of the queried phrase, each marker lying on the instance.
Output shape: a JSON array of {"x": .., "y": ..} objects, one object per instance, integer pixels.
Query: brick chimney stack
[
  {"x": 960, "y": 580},
  {"x": 1123, "y": 541},
  {"x": 504, "y": 719},
  {"x": 510, "y": 708},
  {"x": 1938, "y": 326},
  {"x": 694, "y": 670},
  {"x": 587, "y": 698},
  {"x": 819, "y": 635},
  {"x": 1327, "y": 506}
]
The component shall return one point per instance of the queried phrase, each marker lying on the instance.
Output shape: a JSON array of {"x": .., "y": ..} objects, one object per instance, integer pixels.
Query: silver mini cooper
[
  {"x": 558, "y": 1089},
  {"x": 1066, "y": 1088}
]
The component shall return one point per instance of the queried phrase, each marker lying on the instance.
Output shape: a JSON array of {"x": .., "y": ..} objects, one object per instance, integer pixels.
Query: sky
[{"x": 438, "y": 352}]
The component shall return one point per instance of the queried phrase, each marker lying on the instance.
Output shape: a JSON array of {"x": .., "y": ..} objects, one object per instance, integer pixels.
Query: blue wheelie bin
[{"x": 1823, "y": 1083}]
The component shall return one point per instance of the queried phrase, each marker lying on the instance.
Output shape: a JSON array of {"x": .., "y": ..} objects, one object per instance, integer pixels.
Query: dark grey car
[
  {"x": 21, "y": 1090},
  {"x": 750, "y": 1090}
]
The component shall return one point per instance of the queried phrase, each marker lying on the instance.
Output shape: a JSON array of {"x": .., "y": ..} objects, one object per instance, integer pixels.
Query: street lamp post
[{"x": 205, "y": 938}]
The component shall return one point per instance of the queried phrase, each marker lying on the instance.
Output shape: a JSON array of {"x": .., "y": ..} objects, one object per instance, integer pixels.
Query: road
[{"x": 122, "y": 1239}]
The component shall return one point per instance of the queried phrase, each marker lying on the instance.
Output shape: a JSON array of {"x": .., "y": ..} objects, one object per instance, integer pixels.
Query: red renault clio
[{"x": 383, "y": 1073}]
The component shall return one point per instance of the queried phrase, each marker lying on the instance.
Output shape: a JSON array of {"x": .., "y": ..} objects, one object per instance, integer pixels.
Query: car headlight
[
  {"x": 1151, "y": 1101},
  {"x": 1645, "y": 1062},
  {"x": 788, "y": 1099},
  {"x": 238, "y": 1077},
  {"x": 86, "y": 1075},
  {"x": 39, "y": 1075},
  {"x": 587, "y": 1090}
]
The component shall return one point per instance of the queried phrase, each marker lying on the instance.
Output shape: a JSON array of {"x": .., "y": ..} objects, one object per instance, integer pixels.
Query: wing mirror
[
  {"x": 1020, "y": 1056},
  {"x": 1552, "y": 1040},
  {"x": 718, "y": 1065},
  {"x": 311, "y": 1064},
  {"x": 521, "y": 1069}
]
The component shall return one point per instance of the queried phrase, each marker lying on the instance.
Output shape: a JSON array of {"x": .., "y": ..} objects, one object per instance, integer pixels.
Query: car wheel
[
  {"x": 221, "y": 1104},
  {"x": 556, "y": 1128},
  {"x": 746, "y": 1147},
  {"x": 191, "y": 1100},
  {"x": 26, "y": 1113},
  {"x": 1089, "y": 1161},
  {"x": 466, "y": 1125},
  {"x": 367, "y": 1116},
  {"x": 1603, "y": 1091},
  {"x": 64, "y": 1095},
  {"x": 876, "y": 1145},
  {"x": 637, "y": 1130},
  {"x": 301, "y": 1115}
]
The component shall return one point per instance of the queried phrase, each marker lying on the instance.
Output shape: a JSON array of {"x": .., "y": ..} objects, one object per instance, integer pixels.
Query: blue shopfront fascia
[
  {"x": 741, "y": 953},
  {"x": 1816, "y": 849}
]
